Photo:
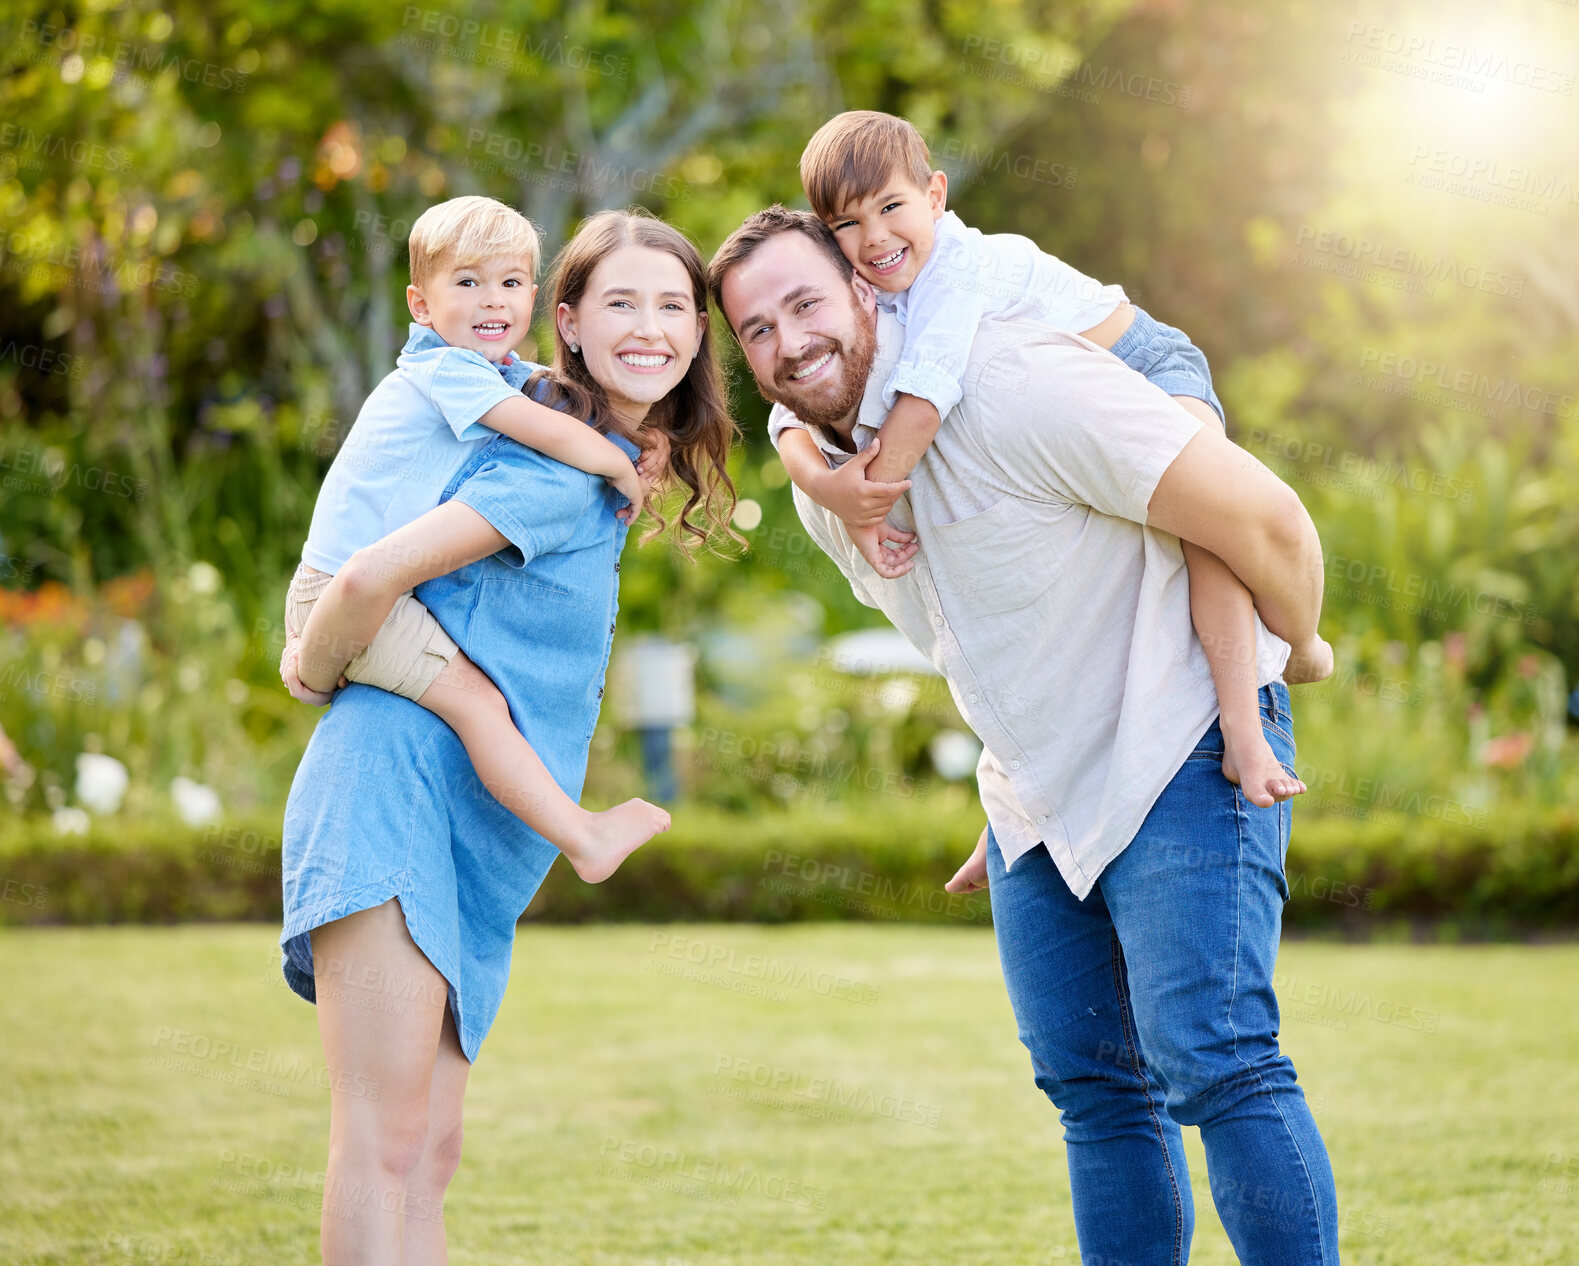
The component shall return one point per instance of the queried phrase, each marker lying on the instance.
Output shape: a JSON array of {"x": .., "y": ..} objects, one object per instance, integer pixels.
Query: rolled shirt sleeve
[
  {"x": 462, "y": 387},
  {"x": 532, "y": 500},
  {"x": 940, "y": 325},
  {"x": 1069, "y": 426}
]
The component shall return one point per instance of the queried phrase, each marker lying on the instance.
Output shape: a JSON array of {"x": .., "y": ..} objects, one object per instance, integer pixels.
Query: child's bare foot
[
  {"x": 1251, "y": 763},
  {"x": 1309, "y": 663},
  {"x": 608, "y": 838}
]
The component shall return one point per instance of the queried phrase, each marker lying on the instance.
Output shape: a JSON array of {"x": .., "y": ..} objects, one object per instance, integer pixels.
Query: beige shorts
[{"x": 410, "y": 649}]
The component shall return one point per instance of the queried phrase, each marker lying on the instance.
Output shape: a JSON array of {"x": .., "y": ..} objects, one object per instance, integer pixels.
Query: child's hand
[
  {"x": 857, "y": 500},
  {"x": 972, "y": 876},
  {"x": 1250, "y": 763},
  {"x": 888, "y": 563},
  {"x": 293, "y": 682},
  {"x": 629, "y": 482},
  {"x": 654, "y": 463},
  {"x": 1309, "y": 663}
]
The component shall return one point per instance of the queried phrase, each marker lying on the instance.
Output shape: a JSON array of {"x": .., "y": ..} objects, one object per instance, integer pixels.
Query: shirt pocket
[{"x": 1007, "y": 556}]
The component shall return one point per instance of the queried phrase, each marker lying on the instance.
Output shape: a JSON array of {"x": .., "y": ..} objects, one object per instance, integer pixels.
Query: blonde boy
[{"x": 456, "y": 384}]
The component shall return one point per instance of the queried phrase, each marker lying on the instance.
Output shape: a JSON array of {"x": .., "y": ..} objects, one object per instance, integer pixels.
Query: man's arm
[
  {"x": 1224, "y": 500},
  {"x": 356, "y": 602}
]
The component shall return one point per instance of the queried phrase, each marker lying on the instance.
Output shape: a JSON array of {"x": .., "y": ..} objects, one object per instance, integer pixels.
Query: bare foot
[
  {"x": 1251, "y": 764},
  {"x": 613, "y": 835},
  {"x": 1309, "y": 663}
]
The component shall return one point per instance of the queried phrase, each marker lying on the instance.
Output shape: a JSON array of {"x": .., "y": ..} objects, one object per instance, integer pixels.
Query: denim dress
[{"x": 385, "y": 802}]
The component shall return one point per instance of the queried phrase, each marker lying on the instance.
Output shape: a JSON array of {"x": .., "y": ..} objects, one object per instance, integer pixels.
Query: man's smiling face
[{"x": 809, "y": 335}]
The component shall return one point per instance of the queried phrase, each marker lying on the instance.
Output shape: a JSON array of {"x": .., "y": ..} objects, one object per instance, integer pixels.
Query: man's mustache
[{"x": 781, "y": 376}]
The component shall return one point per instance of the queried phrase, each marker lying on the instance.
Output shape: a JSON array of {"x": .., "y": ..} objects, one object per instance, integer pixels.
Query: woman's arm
[{"x": 356, "y": 602}]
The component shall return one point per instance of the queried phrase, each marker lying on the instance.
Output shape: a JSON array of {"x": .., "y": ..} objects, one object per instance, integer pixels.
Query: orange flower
[{"x": 1507, "y": 751}]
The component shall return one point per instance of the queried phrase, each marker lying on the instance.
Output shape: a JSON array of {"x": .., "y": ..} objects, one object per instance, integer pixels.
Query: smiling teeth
[
  {"x": 644, "y": 362},
  {"x": 813, "y": 367},
  {"x": 888, "y": 260},
  {"x": 490, "y": 325}
]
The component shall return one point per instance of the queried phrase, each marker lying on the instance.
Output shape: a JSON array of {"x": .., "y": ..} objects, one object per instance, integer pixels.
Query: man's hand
[
  {"x": 293, "y": 681},
  {"x": 889, "y": 563},
  {"x": 1309, "y": 663},
  {"x": 972, "y": 876},
  {"x": 859, "y": 501}
]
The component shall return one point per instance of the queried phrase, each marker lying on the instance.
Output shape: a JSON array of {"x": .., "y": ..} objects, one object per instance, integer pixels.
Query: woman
[{"x": 403, "y": 877}]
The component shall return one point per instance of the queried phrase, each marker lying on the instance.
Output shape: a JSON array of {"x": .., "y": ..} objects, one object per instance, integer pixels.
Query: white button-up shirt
[{"x": 1060, "y": 621}]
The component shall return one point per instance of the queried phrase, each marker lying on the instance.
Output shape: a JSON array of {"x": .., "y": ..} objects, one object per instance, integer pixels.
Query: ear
[
  {"x": 865, "y": 292},
  {"x": 937, "y": 193},
  {"x": 565, "y": 324},
  {"x": 418, "y": 304}
]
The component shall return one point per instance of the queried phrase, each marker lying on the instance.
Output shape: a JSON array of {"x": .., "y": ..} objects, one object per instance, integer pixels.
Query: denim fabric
[
  {"x": 1167, "y": 358},
  {"x": 386, "y": 803},
  {"x": 1149, "y": 1005}
]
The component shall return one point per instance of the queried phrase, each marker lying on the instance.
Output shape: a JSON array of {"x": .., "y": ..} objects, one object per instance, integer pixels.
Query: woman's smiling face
[{"x": 638, "y": 327}]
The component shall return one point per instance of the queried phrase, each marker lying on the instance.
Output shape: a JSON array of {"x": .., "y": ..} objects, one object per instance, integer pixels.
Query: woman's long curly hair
[{"x": 694, "y": 415}]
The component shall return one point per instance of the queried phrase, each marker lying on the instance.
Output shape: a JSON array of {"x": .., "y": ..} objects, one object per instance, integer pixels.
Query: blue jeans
[{"x": 1149, "y": 1005}]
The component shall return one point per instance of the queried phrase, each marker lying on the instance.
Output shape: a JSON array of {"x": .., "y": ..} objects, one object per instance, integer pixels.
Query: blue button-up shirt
[{"x": 386, "y": 803}]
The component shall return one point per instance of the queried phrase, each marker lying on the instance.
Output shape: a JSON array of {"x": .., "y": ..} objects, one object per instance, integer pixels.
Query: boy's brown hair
[{"x": 854, "y": 154}]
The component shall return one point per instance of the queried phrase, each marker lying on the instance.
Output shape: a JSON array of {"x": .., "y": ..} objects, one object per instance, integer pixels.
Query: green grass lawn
[{"x": 1444, "y": 1080}]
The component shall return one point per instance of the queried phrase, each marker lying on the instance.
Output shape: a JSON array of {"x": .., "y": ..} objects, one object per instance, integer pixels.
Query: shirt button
[
  {"x": 600, "y": 692},
  {"x": 970, "y": 698},
  {"x": 938, "y": 620},
  {"x": 616, "y": 564},
  {"x": 1040, "y": 818},
  {"x": 1014, "y": 764}
]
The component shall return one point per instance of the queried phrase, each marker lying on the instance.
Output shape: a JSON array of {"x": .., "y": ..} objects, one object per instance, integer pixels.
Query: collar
[{"x": 423, "y": 338}]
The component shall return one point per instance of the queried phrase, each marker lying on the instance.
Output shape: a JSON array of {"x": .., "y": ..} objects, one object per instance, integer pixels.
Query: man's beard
[{"x": 828, "y": 403}]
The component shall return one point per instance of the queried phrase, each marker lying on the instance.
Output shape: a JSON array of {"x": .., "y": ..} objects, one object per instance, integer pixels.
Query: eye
[
  {"x": 804, "y": 304},
  {"x": 890, "y": 206},
  {"x": 843, "y": 224},
  {"x": 619, "y": 303},
  {"x": 675, "y": 305},
  {"x": 466, "y": 281},
  {"x": 512, "y": 281},
  {"x": 759, "y": 332}
]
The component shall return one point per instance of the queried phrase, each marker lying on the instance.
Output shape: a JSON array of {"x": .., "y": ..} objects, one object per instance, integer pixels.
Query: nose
[
  {"x": 873, "y": 233},
  {"x": 792, "y": 339},
  {"x": 647, "y": 327}
]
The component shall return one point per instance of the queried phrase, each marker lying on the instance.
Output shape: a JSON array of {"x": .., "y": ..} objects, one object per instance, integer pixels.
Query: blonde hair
[
  {"x": 470, "y": 230},
  {"x": 854, "y": 154}
]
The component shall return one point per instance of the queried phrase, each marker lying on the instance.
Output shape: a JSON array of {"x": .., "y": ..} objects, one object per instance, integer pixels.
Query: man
[{"x": 1136, "y": 893}]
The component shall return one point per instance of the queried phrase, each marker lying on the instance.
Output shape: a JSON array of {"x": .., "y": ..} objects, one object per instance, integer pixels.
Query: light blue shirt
[
  {"x": 417, "y": 428},
  {"x": 386, "y": 803}
]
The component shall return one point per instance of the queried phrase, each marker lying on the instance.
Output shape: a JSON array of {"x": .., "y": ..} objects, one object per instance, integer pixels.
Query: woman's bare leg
[
  {"x": 425, "y": 1188},
  {"x": 381, "y": 1008}
]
